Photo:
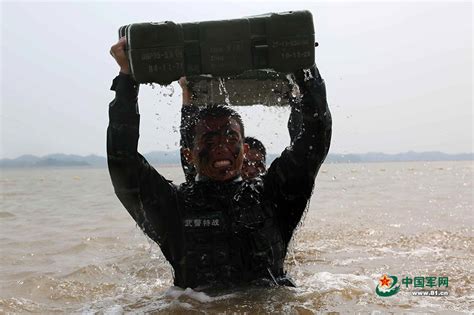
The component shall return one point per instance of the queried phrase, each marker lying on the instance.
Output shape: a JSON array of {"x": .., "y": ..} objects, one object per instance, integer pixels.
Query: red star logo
[{"x": 385, "y": 281}]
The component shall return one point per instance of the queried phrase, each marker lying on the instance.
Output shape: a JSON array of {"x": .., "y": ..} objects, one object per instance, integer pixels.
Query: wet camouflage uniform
[{"x": 219, "y": 232}]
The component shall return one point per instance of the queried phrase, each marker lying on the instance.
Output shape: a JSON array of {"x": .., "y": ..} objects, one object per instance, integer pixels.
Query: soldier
[{"x": 218, "y": 229}]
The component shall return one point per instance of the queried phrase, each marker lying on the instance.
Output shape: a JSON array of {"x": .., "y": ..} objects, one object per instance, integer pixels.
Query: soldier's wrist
[{"x": 125, "y": 70}]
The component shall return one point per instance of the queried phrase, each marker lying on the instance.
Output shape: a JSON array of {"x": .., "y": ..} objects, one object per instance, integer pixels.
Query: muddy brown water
[{"x": 68, "y": 246}]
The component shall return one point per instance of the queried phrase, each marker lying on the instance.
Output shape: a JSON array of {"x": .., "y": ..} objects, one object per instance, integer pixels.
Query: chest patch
[{"x": 211, "y": 221}]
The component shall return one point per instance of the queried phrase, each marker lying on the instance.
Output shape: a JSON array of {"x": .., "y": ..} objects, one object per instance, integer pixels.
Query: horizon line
[{"x": 268, "y": 153}]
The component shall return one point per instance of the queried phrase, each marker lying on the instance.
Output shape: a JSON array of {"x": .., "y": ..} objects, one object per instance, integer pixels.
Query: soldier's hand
[
  {"x": 304, "y": 75},
  {"x": 187, "y": 93},
  {"x": 118, "y": 52}
]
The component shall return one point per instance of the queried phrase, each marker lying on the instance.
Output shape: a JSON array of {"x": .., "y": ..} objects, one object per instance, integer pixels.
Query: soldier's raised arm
[
  {"x": 291, "y": 177},
  {"x": 147, "y": 196}
]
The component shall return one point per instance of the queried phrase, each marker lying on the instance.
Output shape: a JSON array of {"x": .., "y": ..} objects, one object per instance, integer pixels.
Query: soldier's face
[
  {"x": 253, "y": 165},
  {"x": 218, "y": 148}
]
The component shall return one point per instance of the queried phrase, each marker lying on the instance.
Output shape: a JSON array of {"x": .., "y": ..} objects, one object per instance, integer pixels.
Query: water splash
[
  {"x": 223, "y": 90},
  {"x": 295, "y": 89},
  {"x": 307, "y": 74},
  {"x": 169, "y": 90}
]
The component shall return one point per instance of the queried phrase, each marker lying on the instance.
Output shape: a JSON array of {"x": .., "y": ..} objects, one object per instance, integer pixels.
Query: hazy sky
[{"x": 398, "y": 74}]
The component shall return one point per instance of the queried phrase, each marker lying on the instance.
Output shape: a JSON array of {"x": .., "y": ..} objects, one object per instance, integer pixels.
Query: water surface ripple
[{"x": 68, "y": 245}]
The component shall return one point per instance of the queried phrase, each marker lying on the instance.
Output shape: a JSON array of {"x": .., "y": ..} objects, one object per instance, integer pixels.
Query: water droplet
[
  {"x": 307, "y": 74},
  {"x": 223, "y": 90}
]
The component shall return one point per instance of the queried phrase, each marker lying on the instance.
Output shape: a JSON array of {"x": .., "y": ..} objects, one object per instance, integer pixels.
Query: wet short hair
[
  {"x": 215, "y": 111},
  {"x": 256, "y": 144}
]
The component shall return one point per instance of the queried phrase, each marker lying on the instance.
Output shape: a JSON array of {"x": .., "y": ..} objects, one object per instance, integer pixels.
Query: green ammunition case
[
  {"x": 250, "y": 88},
  {"x": 250, "y": 55}
]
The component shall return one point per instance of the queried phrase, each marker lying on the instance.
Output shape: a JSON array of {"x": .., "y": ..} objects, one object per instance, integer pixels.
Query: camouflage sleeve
[
  {"x": 148, "y": 197},
  {"x": 295, "y": 122},
  {"x": 290, "y": 178}
]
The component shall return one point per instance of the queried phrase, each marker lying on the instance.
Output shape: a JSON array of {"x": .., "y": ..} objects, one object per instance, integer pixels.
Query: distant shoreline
[
  {"x": 164, "y": 166},
  {"x": 172, "y": 159}
]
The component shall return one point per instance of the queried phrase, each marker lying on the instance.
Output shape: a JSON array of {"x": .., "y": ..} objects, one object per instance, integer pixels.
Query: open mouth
[{"x": 221, "y": 163}]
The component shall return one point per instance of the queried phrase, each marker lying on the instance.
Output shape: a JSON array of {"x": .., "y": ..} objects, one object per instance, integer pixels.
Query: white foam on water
[
  {"x": 176, "y": 305},
  {"x": 350, "y": 261},
  {"x": 201, "y": 297},
  {"x": 326, "y": 281},
  {"x": 174, "y": 292},
  {"x": 415, "y": 252},
  {"x": 114, "y": 310}
]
